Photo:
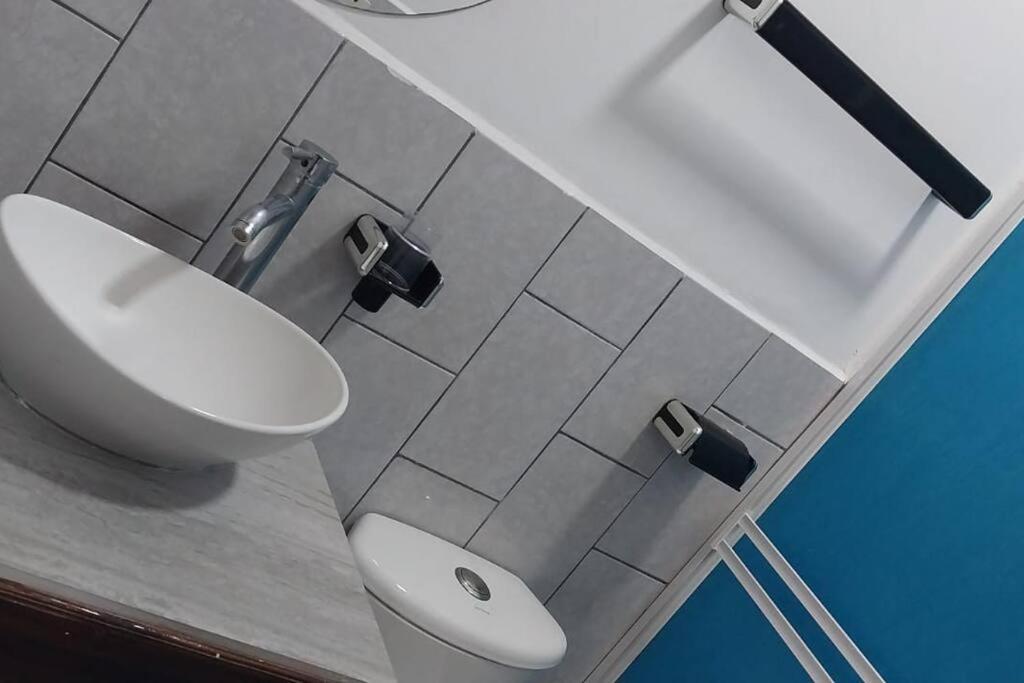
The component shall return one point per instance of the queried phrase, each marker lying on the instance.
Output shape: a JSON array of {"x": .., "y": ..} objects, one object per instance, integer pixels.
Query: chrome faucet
[{"x": 260, "y": 230}]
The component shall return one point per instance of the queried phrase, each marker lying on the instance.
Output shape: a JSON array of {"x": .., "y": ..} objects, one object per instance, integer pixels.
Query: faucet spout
[
  {"x": 260, "y": 230},
  {"x": 254, "y": 220}
]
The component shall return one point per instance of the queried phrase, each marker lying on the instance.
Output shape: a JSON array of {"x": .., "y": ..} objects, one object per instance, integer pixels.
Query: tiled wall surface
[{"x": 512, "y": 416}]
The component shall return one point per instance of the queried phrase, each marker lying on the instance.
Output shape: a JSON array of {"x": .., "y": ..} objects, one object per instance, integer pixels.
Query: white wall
[{"x": 692, "y": 134}]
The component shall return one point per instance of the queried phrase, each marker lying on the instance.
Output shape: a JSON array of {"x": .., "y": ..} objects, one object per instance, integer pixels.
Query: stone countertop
[{"x": 252, "y": 557}]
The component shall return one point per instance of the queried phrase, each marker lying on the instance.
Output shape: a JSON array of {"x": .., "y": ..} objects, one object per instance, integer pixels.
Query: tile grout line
[
  {"x": 337, "y": 173},
  {"x": 657, "y": 308},
  {"x": 513, "y": 487},
  {"x": 63, "y": 5},
  {"x": 571, "y": 319},
  {"x": 398, "y": 456},
  {"x": 634, "y": 568},
  {"x": 330, "y": 329},
  {"x": 277, "y": 139},
  {"x": 405, "y": 443},
  {"x": 608, "y": 458},
  {"x": 356, "y": 184},
  {"x": 631, "y": 624},
  {"x": 444, "y": 173},
  {"x": 799, "y": 434},
  {"x": 448, "y": 477},
  {"x": 604, "y": 532},
  {"x": 392, "y": 341},
  {"x": 739, "y": 372},
  {"x": 442, "y": 475},
  {"x": 130, "y": 203},
  {"x": 595, "y": 547},
  {"x": 752, "y": 430},
  {"x": 551, "y": 255},
  {"x": 88, "y": 95}
]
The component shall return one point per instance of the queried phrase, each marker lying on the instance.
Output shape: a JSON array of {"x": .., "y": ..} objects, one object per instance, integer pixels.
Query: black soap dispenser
[
  {"x": 711, "y": 449},
  {"x": 390, "y": 263}
]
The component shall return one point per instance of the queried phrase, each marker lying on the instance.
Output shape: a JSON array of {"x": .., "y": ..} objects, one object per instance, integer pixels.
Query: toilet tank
[{"x": 448, "y": 615}]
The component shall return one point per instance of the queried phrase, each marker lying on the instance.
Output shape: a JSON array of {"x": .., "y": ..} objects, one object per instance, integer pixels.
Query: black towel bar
[{"x": 793, "y": 35}]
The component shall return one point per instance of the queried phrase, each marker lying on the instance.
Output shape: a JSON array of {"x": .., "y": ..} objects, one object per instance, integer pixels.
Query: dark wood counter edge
[{"x": 56, "y": 600}]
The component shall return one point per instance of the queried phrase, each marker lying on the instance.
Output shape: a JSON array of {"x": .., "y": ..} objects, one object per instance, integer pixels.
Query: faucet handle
[{"x": 317, "y": 163}]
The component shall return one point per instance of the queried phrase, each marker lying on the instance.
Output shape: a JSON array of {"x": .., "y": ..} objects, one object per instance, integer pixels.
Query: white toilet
[{"x": 447, "y": 615}]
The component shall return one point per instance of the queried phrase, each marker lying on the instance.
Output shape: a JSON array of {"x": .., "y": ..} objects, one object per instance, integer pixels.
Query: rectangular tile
[
  {"x": 311, "y": 278},
  {"x": 691, "y": 349},
  {"x": 388, "y": 136},
  {"x": 193, "y": 100},
  {"x": 57, "y": 184},
  {"x": 680, "y": 507},
  {"x": 604, "y": 279},
  {"x": 425, "y": 500},
  {"x": 49, "y": 58},
  {"x": 390, "y": 390},
  {"x": 490, "y": 224},
  {"x": 511, "y": 398},
  {"x": 555, "y": 514},
  {"x": 779, "y": 392},
  {"x": 595, "y": 607},
  {"x": 114, "y": 15}
]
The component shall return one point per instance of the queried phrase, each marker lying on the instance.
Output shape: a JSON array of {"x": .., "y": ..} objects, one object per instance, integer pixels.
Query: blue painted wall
[{"x": 907, "y": 524}]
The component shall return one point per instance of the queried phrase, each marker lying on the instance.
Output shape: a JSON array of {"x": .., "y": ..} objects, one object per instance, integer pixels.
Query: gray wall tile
[
  {"x": 114, "y": 15},
  {"x": 595, "y": 607},
  {"x": 49, "y": 58},
  {"x": 679, "y": 508},
  {"x": 390, "y": 392},
  {"x": 57, "y": 184},
  {"x": 388, "y": 137},
  {"x": 511, "y": 398},
  {"x": 425, "y": 500},
  {"x": 555, "y": 514},
  {"x": 491, "y": 223},
  {"x": 779, "y": 392},
  {"x": 605, "y": 280},
  {"x": 691, "y": 349},
  {"x": 192, "y": 102},
  {"x": 311, "y": 278}
]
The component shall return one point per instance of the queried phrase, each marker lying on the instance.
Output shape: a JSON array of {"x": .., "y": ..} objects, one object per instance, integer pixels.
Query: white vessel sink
[{"x": 147, "y": 356}]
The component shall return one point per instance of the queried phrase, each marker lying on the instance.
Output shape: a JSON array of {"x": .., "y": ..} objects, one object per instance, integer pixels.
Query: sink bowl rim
[{"x": 309, "y": 427}]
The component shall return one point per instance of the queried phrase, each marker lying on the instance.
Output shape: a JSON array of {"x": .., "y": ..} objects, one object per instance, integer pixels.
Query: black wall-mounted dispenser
[
  {"x": 796, "y": 38},
  {"x": 390, "y": 264},
  {"x": 711, "y": 448}
]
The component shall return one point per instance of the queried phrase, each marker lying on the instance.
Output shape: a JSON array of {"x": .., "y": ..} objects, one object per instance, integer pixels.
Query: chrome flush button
[{"x": 473, "y": 584}]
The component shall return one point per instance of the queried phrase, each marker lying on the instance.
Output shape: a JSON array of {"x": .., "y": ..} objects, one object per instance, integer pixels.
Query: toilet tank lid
[{"x": 415, "y": 574}]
